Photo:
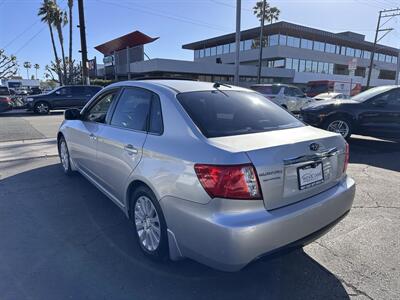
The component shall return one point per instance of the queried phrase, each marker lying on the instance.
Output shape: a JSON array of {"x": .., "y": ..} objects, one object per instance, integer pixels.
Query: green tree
[
  {"x": 271, "y": 13},
  {"x": 27, "y": 66},
  {"x": 71, "y": 66},
  {"x": 8, "y": 65},
  {"x": 36, "y": 67},
  {"x": 47, "y": 14},
  {"x": 60, "y": 20}
]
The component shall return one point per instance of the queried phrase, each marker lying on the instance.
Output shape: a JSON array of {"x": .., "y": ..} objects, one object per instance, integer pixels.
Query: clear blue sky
[{"x": 176, "y": 23}]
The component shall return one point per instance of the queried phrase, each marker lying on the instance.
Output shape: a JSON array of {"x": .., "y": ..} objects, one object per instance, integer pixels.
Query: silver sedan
[{"x": 208, "y": 171}]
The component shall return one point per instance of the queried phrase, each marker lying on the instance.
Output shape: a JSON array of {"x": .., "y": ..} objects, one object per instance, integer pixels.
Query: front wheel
[
  {"x": 42, "y": 108},
  {"x": 339, "y": 125},
  {"x": 64, "y": 156},
  {"x": 149, "y": 223}
]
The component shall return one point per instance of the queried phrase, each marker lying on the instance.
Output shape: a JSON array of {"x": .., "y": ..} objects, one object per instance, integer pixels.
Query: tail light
[
  {"x": 346, "y": 157},
  {"x": 226, "y": 181}
]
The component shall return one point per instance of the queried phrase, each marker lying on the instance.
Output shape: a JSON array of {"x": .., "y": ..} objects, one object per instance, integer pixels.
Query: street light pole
[
  {"x": 237, "y": 62},
  {"x": 398, "y": 69},
  {"x": 85, "y": 74},
  {"x": 261, "y": 44},
  {"x": 371, "y": 62}
]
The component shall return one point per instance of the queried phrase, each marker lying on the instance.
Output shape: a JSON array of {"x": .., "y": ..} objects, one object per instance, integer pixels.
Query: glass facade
[{"x": 296, "y": 42}]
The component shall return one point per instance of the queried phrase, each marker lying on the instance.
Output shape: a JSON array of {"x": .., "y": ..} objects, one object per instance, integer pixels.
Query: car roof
[
  {"x": 274, "y": 84},
  {"x": 179, "y": 86}
]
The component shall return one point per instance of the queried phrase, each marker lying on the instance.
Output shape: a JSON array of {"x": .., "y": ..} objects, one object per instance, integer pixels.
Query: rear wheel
[
  {"x": 42, "y": 108},
  {"x": 149, "y": 223},
  {"x": 339, "y": 125}
]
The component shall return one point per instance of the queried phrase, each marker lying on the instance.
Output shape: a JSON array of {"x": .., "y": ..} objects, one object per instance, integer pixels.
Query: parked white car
[
  {"x": 289, "y": 97},
  {"x": 330, "y": 96}
]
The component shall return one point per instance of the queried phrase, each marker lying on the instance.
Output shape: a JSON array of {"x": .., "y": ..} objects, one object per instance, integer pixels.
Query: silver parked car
[
  {"x": 208, "y": 171},
  {"x": 288, "y": 96}
]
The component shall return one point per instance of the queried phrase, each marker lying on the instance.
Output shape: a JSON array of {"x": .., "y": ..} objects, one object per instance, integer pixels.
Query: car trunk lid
[{"x": 282, "y": 157}]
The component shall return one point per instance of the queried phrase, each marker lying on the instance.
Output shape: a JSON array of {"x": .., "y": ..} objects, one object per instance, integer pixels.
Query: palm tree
[
  {"x": 36, "y": 67},
  {"x": 27, "y": 66},
  {"x": 70, "y": 6},
  {"x": 271, "y": 13},
  {"x": 46, "y": 12},
  {"x": 60, "y": 20}
]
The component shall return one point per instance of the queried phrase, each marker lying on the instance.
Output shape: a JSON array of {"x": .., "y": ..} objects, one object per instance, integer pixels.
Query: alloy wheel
[
  {"x": 147, "y": 223},
  {"x": 42, "y": 108},
  {"x": 339, "y": 126},
  {"x": 64, "y": 156}
]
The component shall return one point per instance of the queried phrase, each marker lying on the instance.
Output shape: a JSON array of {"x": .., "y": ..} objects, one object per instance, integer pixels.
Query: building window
[
  {"x": 282, "y": 40},
  {"x": 381, "y": 57},
  {"x": 308, "y": 65},
  {"x": 388, "y": 58},
  {"x": 386, "y": 74},
  {"x": 247, "y": 44},
  {"x": 358, "y": 53},
  {"x": 219, "y": 49},
  {"x": 226, "y": 48},
  {"x": 201, "y": 53},
  {"x": 306, "y": 44},
  {"x": 232, "y": 47},
  {"x": 314, "y": 67},
  {"x": 330, "y": 70},
  {"x": 320, "y": 67},
  {"x": 360, "y": 72},
  {"x": 366, "y": 54},
  {"x": 319, "y": 46},
  {"x": 295, "y": 64},
  {"x": 330, "y": 48},
  {"x": 274, "y": 40},
  {"x": 196, "y": 54},
  {"x": 288, "y": 64},
  {"x": 293, "y": 42},
  {"x": 207, "y": 52},
  {"x": 343, "y": 50},
  {"x": 213, "y": 51},
  {"x": 337, "y": 49},
  {"x": 394, "y": 59},
  {"x": 302, "y": 65},
  {"x": 349, "y": 51}
]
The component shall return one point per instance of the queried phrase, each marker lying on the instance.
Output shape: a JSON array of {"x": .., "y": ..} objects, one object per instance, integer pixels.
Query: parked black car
[
  {"x": 5, "y": 99},
  {"x": 74, "y": 96},
  {"x": 375, "y": 112}
]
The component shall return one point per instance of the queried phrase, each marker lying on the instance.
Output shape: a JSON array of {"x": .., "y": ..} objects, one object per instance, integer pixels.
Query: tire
[
  {"x": 340, "y": 125},
  {"x": 149, "y": 223},
  {"x": 41, "y": 108},
  {"x": 63, "y": 153}
]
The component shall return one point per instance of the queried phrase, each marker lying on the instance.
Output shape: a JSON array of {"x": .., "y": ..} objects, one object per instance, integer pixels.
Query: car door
[
  {"x": 62, "y": 97},
  {"x": 380, "y": 115},
  {"x": 83, "y": 135},
  {"x": 120, "y": 144}
]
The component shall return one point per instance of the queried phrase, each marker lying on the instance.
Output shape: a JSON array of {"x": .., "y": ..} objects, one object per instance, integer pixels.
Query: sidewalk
[{"x": 27, "y": 149}]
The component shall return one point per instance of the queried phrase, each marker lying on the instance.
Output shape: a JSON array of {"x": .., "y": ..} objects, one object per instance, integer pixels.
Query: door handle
[
  {"x": 92, "y": 137},
  {"x": 130, "y": 149}
]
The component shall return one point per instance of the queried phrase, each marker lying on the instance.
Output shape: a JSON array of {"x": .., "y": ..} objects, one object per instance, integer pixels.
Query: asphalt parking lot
[{"x": 63, "y": 239}]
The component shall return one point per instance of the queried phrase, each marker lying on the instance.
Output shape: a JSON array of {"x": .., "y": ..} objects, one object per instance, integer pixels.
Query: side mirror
[
  {"x": 379, "y": 102},
  {"x": 72, "y": 114}
]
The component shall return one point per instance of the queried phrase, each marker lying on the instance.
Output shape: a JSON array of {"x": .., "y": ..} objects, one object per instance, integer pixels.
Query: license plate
[{"x": 310, "y": 175}]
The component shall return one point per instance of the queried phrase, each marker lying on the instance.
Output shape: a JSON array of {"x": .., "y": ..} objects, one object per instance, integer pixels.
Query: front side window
[
  {"x": 64, "y": 91},
  {"x": 98, "y": 112},
  {"x": 227, "y": 113},
  {"x": 132, "y": 109}
]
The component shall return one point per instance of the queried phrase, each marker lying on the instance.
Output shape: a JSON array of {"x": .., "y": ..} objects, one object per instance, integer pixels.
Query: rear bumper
[{"x": 227, "y": 238}]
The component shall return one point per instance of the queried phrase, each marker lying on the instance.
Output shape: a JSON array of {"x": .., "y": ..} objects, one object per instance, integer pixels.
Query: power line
[
  {"x": 168, "y": 16},
  {"x": 20, "y": 34}
]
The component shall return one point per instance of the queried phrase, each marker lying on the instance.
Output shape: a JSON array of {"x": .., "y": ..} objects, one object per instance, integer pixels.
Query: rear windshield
[
  {"x": 226, "y": 113},
  {"x": 267, "y": 89},
  {"x": 368, "y": 94}
]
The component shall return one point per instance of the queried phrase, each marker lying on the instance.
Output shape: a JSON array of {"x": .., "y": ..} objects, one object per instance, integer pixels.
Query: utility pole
[
  {"x": 237, "y": 62},
  {"x": 386, "y": 13},
  {"x": 85, "y": 74},
  {"x": 261, "y": 43},
  {"x": 398, "y": 69}
]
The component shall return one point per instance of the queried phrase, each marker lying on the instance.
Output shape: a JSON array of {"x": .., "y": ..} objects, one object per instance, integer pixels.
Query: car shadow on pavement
[
  {"x": 25, "y": 113},
  {"x": 380, "y": 153},
  {"x": 62, "y": 238}
]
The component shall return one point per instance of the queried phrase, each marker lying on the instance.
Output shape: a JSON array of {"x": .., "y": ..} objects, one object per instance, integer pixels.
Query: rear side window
[
  {"x": 156, "y": 122},
  {"x": 132, "y": 109},
  {"x": 267, "y": 89},
  {"x": 226, "y": 113}
]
